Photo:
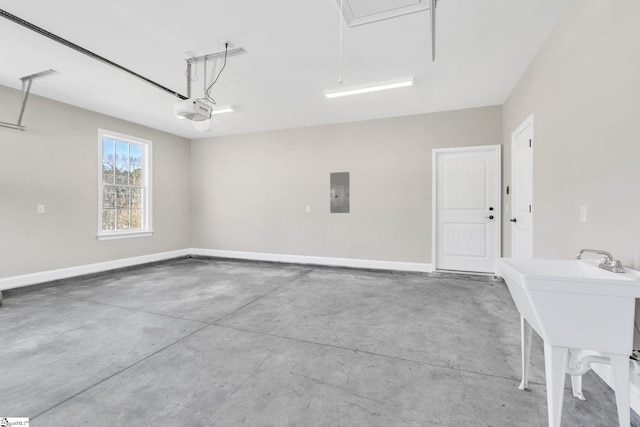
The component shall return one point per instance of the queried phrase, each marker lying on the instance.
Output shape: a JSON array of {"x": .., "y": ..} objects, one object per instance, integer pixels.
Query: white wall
[
  {"x": 54, "y": 163},
  {"x": 250, "y": 191},
  {"x": 583, "y": 88}
]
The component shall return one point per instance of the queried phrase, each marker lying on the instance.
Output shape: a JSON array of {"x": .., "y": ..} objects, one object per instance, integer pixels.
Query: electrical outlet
[
  {"x": 40, "y": 209},
  {"x": 583, "y": 214},
  {"x": 308, "y": 209}
]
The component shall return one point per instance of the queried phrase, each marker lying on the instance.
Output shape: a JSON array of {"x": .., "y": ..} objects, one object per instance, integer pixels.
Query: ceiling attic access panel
[{"x": 359, "y": 12}]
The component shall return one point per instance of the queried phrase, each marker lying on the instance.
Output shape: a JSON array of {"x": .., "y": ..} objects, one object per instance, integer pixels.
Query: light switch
[
  {"x": 40, "y": 209},
  {"x": 308, "y": 209},
  {"x": 583, "y": 214}
]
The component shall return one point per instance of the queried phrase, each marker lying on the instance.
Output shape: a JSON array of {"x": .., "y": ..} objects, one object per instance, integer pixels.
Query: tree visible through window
[{"x": 124, "y": 197}]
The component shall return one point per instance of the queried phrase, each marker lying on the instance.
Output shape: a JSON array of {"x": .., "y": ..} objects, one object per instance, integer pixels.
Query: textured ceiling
[{"x": 483, "y": 47}]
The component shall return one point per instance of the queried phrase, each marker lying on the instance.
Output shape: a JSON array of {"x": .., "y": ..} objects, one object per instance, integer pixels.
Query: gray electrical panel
[{"x": 339, "y": 192}]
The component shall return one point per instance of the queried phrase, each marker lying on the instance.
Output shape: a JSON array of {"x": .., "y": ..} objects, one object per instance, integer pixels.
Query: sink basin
[{"x": 573, "y": 303}]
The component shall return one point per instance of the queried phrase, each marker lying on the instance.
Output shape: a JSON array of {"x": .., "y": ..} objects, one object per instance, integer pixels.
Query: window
[{"x": 124, "y": 186}]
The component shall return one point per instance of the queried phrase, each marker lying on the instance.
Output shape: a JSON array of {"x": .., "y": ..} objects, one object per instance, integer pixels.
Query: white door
[
  {"x": 522, "y": 190},
  {"x": 466, "y": 208}
]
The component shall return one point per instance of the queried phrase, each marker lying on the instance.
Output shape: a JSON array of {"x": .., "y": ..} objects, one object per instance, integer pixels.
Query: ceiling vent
[{"x": 359, "y": 12}]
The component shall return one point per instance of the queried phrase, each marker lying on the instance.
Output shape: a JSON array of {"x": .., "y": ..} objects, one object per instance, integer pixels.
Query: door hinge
[
  {"x": 529, "y": 142},
  {"x": 529, "y": 208}
]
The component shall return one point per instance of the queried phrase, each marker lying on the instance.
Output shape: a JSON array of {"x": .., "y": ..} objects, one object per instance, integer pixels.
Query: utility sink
[{"x": 573, "y": 304}]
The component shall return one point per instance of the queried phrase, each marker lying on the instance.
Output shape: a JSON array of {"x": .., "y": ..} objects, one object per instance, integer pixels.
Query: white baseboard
[
  {"x": 316, "y": 260},
  {"x": 65, "y": 273}
]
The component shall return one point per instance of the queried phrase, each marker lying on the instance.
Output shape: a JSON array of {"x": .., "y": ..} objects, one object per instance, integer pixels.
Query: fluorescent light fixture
[
  {"x": 357, "y": 91},
  {"x": 222, "y": 110}
]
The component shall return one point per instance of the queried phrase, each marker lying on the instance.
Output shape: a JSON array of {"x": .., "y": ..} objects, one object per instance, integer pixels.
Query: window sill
[{"x": 124, "y": 235}]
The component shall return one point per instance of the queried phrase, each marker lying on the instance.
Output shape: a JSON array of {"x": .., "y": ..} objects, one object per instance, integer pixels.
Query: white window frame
[{"x": 147, "y": 146}]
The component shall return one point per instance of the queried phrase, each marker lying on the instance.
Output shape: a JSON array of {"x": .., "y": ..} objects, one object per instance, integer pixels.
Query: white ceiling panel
[{"x": 292, "y": 57}]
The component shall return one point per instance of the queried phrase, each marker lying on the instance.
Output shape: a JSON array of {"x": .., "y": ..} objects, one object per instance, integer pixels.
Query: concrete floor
[{"x": 205, "y": 342}]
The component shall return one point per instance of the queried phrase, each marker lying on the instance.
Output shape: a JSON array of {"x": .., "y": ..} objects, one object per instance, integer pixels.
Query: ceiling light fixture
[
  {"x": 222, "y": 110},
  {"x": 367, "y": 89},
  {"x": 210, "y": 123}
]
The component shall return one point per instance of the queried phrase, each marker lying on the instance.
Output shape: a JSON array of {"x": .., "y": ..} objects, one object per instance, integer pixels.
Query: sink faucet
[{"x": 607, "y": 262}]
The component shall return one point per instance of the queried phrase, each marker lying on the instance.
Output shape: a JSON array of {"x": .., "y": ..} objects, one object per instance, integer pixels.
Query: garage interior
[{"x": 284, "y": 264}]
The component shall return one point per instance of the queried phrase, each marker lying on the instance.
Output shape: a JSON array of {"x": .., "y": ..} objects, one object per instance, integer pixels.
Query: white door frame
[
  {"x": 434, "y": 208},
  {"x": 527, "y": 123}
]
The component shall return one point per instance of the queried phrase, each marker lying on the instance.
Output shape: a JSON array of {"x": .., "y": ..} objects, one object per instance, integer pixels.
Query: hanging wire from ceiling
[
  {"x": 205, "y": 80},
  {"x": 208, "y": 90},
  {"x": 432, "y": 4},
  {"x": 433, "y": 29},
  {"x": 340, "y": 44}
]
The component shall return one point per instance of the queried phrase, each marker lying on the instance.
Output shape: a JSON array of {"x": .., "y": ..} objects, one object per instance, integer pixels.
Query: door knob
[
  {"x": 513, "y": 220},
  {"x": 491, "y": 208},
  {"x": 490, "y": 216}
]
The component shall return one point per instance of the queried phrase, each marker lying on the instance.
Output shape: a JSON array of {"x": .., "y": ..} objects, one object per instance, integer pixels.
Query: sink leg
[
  {"x": 576, "y": 380},
  {"x": 555, "y": 359},
  {"x": 620, "y": 365},
  {"x": 576, "y": 386},
  {"x": 525, "y": 342}
]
